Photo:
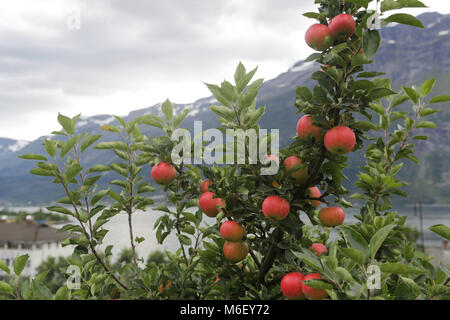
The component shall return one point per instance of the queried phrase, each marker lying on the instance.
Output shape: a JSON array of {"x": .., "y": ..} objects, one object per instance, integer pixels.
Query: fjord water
[{"x": 143, "y": 223}]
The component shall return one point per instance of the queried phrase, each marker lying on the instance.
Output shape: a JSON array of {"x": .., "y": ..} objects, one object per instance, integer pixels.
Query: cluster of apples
[
  {"x": 234, "y": 249},
  {"x": 320, "y": 36},
  {"x": 292, "y": 285},
  {"x": 338, "y": 140}
]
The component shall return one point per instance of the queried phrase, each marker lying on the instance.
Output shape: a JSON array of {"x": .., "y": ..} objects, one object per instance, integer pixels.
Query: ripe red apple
[
  {"x": 291, "y": 286},
  {"x": 305, "y": 128},
  {"x": 318, "y": 248},
  {"x": 340, "y": 140},
  {"x": 331, "y": 217},
  {"x": 275, "y": 207},
  {"x": 318, "y": 37},
  {"x": 208, "y": 204},
  {"x": 314, "y": 192},
  {"x": 204, "y": 186},
  {"x": 232, "y": 231},
  {"x": 342, "y": 27},
  {"x": 301, "y": 174},
  {"x": 235, "y": 251},
  {"x": 313, "y": 293},
  {"x": 163, "y": 173}
]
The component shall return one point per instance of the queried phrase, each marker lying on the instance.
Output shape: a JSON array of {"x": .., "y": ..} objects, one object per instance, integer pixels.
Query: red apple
[
  {"x": 313, "y": 293},
  {"x": 204, "y": 186},
  {"x": 340, "y": 140},
  {"x": 305, "y": 128},
  {"x": 208, "y": 204},
  {"x": 318, "y": 37},
  {"x": 291, "y": 286},
  {"x": 314, "y": 192},
  {"x": 342, "y": 27},
  {"x": 235, "y": 251},
  {"x": 232, "y": 231},
  {"x": 275, "y": 207},
  {"x": 301, "y": 174},
  {"x": 331, "y": 217},
  {"x": 163, "y": 173},
  {"x": 318, "y": 248}
]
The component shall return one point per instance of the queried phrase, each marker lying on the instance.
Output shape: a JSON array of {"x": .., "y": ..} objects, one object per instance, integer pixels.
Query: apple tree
[{"x": 251, "y": 236}]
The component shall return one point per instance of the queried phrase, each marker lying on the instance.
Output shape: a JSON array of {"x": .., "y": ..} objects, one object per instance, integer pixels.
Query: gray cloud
[{"x": 131, "y": 54}]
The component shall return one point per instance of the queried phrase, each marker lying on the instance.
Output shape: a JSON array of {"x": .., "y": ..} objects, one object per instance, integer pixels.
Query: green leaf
[
  {"x": 99, "y": 168},
  {"x": 404, "y": 18},
  {"x": 400, "y": 268},
  {"x": 167, "y": 109},
  {"x": 312, "y": 57},
  {"x": 20, "y": 263},
  {"x": 179, "y": 118},
  {"x": 50, "y": 147},
  {"x": 356, "y": 255},
  {"x": 400, "y": 100},
  {"x": 30, "y": 156},
  {"x": 427, "y": 111},
  {"x": 310, "y": 260},
  {"x": 441, "y": 230},
  {"x": 5, "y": 287},
  {"x": 318, "y": 284},
  {"x": 185, "y": 240},
  {"x": 355, "y": 239},
  {"x": 59, "y": 209},
  {"x": 89, "y": 141},
  {"x": 439, "y": 99},
  {"x": 4, "y": 267},
  {"x": 412, "y": 94},
  {"x": 239, "y": 73},
  {"x": 426, "y": 124},
  {"x": 378, "y": 108},
  {"x": 151, "y": 122},
  {"x": 224, "y": 112},
  {"x": 42, "y": 172},
  {"x": 361, "y": 3},
  {"x": 379, "y": 93},
  {"x": 378, "y": 239},
  {"x": 63, "y": 293},
  {"x": 427, "y": 86},
  {"x": 364, "y": 126},
  {"x": 371, "y": 43},
  {"x": 243, "y": 82},
  {"x": 66, "y": 123},
  {"x": 68, "y": 145}
]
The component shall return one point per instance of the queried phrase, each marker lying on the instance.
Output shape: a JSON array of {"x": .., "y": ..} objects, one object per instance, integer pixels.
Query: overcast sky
[{"x": 115, "y": 56}]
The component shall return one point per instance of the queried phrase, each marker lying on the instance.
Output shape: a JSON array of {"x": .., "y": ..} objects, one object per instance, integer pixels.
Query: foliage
[{"x": 198, "y": 269}]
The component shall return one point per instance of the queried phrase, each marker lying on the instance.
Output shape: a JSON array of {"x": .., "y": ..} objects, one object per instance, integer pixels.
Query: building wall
[{"x": 38, "y": 253}]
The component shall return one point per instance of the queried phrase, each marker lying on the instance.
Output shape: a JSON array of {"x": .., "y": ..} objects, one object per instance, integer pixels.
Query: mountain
[{"x": 408, "y": 55}]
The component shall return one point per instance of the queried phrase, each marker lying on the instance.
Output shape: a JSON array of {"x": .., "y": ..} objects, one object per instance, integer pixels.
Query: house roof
[{"x": 23, "y": 232}]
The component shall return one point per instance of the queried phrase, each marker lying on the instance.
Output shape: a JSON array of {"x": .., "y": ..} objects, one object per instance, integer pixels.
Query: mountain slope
[{"x": 408, "y": 55}]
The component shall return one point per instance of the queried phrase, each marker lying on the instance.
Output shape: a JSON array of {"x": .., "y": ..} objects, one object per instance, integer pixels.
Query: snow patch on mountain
[
  {"x": 302, "y": 67},
  {"x": 19, "y": 145}
]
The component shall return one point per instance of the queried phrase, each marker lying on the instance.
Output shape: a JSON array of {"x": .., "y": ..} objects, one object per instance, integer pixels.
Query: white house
[{"x": 38, "y": 240}]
